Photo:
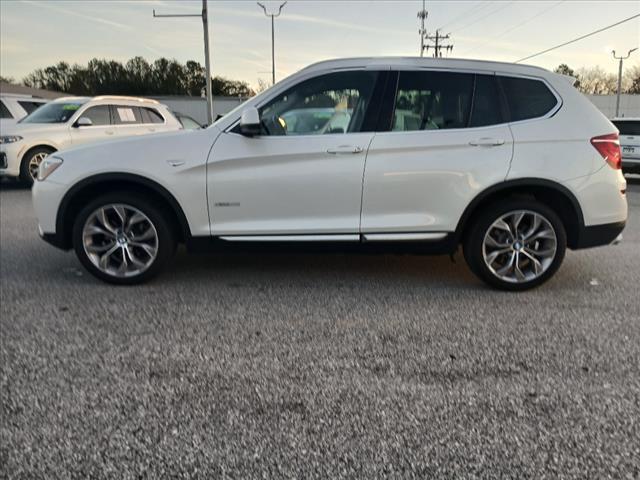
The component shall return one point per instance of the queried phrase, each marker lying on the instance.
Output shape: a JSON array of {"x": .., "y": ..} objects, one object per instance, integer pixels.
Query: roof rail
[{"x": 124, "y": 97}]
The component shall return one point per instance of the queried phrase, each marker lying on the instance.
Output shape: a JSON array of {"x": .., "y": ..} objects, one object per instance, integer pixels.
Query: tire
[
  {"x": 33, "y": 156},
  {"x": 491, "y": 251},
  {"x": 101, "y": 239}
]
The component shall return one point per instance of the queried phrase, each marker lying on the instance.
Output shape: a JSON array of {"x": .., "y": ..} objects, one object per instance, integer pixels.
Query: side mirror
[
  {"x": 83, "y": 122},
  {"x": 250, "y": 122}
]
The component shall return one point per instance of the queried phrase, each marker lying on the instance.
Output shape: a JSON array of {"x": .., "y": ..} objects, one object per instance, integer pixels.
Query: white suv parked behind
[
  {"x": 13, "y": 107},
  {"x": 369, "y": 154},
  {"x": 70, "y": 121}
]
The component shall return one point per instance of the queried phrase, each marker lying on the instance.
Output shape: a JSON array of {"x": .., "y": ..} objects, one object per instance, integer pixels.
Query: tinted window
[
  {"x": 4, "y": 111},
  {"x": 628, "y": 127},
  {"x": 99, "y": 115},
  {"x": 486, "y": 102},
  {"x": 332, "y": 103},
  {"x": 527, "y": 98},
  {"x": 149, "y": 115},
  {"x": 432, "y": 101},
  {"x": 30, "y": 106},
  {"x": 126, "y": 115}
]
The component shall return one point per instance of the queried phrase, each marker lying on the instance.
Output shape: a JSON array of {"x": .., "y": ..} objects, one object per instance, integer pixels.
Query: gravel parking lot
[{"x": 316, "y": 366}]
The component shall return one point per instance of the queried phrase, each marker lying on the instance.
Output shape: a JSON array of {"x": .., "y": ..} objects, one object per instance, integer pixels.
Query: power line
[
  {"x": 579, "y": 38},
  {"x": 511, "y": 29},
  {"x": 484, "y": 16},
  {"x": 477, "y": 8}
]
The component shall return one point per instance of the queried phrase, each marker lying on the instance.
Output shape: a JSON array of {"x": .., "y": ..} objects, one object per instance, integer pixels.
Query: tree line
[
  {"x": 170, "y": 77},
  {"x": 134, "y": 77},
  {"x": 595, "y": 81}
]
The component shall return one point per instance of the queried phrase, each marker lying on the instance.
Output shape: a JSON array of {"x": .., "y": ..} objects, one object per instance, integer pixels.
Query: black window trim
[{"x": 504, "y": 107}]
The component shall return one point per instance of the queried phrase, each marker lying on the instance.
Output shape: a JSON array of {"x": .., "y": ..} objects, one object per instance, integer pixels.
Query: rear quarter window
[
  {"x": 527, "y": 98},
  {"x": 30, "y": 106},
  {"x": 4, "y": 111}
]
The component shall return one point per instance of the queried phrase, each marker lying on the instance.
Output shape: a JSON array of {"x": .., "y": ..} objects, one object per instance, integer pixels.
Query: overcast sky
[{"x": 37, "y": 33}]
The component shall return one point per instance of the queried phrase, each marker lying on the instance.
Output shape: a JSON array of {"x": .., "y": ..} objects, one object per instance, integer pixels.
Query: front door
[
  {"x": 101, "y": 127},
  {"x": 303, "y": 174}
]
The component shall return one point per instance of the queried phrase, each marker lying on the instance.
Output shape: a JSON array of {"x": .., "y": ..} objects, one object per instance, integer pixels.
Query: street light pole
[
  {"x": 207, "y": 62},
  {"x": 273, "y": 41},
  {"x": 621, "y": 58}
]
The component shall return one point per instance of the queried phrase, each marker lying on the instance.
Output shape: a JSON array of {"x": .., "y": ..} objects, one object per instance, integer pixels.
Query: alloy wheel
[
  {"x": 120, "y": 240},
  {"x": 519, "y": 246},
  {"x": 34, "y": 163}
]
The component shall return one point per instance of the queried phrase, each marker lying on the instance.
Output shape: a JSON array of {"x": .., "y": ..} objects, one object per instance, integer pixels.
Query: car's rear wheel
[
  {"x": 516, "y": 244},
  {"x": 31, "y": 162},
  {"x": 122, "y": 238}
]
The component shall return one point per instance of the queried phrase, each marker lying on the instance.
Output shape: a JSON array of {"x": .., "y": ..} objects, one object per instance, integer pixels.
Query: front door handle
[
  {"x": 486, "y": 142},
  {"x": 345, "y": 149}
]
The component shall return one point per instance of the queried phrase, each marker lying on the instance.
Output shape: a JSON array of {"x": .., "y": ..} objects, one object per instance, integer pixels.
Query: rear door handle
[
  {"x": 486, "y": 142},
  {"x": 345, "y": 149},
  {"x": 109, "y": 132}
]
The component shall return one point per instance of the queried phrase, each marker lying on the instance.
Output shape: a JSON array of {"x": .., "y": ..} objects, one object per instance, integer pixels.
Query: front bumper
[
  {"x": 10, "y": 159},
  {"x": 47, "y": 197}
]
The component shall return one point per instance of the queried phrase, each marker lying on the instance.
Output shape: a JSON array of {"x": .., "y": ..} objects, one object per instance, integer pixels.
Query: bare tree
[
  {"x": 595, "y": 81},
  {"x": 262, "y": 85},
  {"x": 631, "y": 79}
]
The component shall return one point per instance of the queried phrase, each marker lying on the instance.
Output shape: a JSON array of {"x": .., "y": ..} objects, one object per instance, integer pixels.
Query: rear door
[{"x": 444, "y": 142}]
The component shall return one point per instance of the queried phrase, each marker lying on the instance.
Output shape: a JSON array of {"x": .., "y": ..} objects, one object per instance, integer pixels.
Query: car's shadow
[{"x": 10, "y": 184}]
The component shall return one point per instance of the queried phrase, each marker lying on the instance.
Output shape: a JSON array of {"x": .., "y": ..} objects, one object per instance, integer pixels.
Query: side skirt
[{"x": 427, "y": 243}]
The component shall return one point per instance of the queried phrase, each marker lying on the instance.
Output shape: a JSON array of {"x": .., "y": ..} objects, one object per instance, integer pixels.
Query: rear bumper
[{"x": 599, "y": 235}]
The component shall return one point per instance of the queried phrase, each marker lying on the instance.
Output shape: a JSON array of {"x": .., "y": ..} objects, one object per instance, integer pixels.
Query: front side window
[
  {"x": 527, "y": 98},
  {"x": 54, "y": 112},
  {"x": 432, "y": 101},
  {"x": 4, "y": 111},
  {"x": 329, "y": 104},
  {"x": 99, "y": 115}
]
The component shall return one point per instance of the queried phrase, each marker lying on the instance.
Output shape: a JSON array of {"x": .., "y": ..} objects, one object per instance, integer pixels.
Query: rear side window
[
  {"x": 30, "y": 106},
  {"x": 486, "y": 108},
  {"x": 99, "y": 115},
  {"x": 149, "y": 115},
  {"x": 4, "y": 111},
  {"x": 628, "y": 127},
  {"x": 432, "y": 101},
  {"x": 527, "y": 98}
]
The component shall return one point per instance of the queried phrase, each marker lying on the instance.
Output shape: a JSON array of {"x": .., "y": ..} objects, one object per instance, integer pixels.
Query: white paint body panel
[
  {"x": 414, "y": 182},
  {"x": 286, "y": 185},
  {"x": 423, "y": 180}
]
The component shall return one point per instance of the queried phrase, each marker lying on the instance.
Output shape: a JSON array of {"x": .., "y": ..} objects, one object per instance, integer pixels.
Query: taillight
[{"x": 609, "y": 147}]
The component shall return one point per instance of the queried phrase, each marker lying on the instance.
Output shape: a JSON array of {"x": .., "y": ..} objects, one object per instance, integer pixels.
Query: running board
[{"x": 367, "y": 237}]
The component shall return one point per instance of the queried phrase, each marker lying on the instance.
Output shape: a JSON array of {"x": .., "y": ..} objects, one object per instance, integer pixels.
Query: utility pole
[
  {"x": 422, "y": 15},
  {"x": 621, "y": 58},
  {"x": 273, "y": 48},
  {"x": 207, "y": 62},
  {"x": 438, "y": 47}
]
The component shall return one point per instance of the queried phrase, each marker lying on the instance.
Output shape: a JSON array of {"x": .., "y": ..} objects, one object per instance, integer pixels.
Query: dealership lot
[{"x": 316, "y": 366}]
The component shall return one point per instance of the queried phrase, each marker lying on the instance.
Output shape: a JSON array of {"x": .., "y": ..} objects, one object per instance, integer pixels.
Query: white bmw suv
[
  {"x": 370, "y": 154},
  {"x": 70, "y": 121}
]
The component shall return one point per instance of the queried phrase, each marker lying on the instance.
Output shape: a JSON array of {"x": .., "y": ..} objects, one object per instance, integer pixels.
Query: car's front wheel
[
  {"x": 123, "y": 238},
  {"x": 31, "y": 162},
  {"x": 516, "y": 244}
]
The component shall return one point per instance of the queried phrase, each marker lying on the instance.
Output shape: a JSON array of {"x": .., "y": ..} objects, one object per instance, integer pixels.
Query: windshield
[{"x": 53, "y": 112}]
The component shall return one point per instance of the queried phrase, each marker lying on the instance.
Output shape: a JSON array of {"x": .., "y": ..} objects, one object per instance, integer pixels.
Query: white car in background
[
  {"x": 71, "y": 121},
  {"x": 509, "y": 161},
  {"x": 14, "y": 107},
  {"x": 629, "y": 143}
]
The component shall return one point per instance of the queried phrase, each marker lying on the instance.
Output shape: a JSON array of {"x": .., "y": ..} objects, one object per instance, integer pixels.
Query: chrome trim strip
[
  {"x": 387, "y": 237},
  {"x": 291, "y": 238}
]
